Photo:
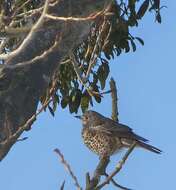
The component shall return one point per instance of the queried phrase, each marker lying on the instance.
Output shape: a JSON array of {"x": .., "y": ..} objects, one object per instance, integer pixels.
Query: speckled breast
[{"x": 100, "y": 142}]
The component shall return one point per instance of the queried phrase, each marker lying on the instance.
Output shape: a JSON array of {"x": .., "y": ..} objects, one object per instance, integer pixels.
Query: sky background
[{"x": 147, "y": 103}]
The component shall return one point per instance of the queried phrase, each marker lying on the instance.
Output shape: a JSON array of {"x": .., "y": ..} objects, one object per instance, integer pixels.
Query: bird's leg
[{"x": 101, "y": 168}]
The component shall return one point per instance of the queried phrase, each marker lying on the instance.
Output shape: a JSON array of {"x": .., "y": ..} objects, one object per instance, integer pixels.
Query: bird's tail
[{"x": 149, "y": 147}]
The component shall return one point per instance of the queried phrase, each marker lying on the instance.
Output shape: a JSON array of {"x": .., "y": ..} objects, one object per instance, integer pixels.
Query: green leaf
[
  {"x": 107, "y": 55},
  {"x": 71, "y": 101},
  {"x": 51, "y": 110},
  {"x": 133, "y": 45},
  {"x": 95, "y": 78},
  {"x": 74, "y": 101},
  {"x": 62, "y": 186},
  {"x": 158, "y": 17},
  {"x": 140, "y": 40},
  {"x": 118, "y": 51},
  {"x": 97, "y": 97},
  {"x": 126, "y": 46},
  {"x": 77, "y": 99},
  {"x": 64, "y": 102},
  {"x": 72, "y": 107},
  {"x": 55, "y": 102},
  {"x": 102, "y": 73},
  {"x": 85, "y": 102},
  {"x": 157, "y": 4},
  {"x": 142, "y": 10}
]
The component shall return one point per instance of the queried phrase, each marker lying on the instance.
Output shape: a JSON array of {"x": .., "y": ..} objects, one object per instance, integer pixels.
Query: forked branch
[
  {"x": 68, "y": 168},
  {"x": 118, "y": 167}
]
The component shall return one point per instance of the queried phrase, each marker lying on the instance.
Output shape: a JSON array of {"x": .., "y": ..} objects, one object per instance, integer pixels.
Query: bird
[{"x": 106, "y": 137}]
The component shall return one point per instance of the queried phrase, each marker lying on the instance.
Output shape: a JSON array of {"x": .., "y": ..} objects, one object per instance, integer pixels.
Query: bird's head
[{"x": 90, "y": 117}]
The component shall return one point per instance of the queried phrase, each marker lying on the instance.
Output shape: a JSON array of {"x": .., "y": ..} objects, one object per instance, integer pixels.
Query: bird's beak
[{"x": 78, "y": 116}]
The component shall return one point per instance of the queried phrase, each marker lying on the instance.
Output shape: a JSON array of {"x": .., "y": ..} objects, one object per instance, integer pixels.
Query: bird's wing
[{"x": 113, "y": 128}]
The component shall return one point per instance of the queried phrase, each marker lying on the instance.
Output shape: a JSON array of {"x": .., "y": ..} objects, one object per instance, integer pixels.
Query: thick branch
[{"x": 100, "y": 170}]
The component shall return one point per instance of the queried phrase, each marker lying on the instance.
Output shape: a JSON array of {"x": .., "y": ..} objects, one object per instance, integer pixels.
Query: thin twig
[
  {"x": 78, "y": 73},
  {"x": 73, "y": 18},
  {"x": 94, "y": 54},
  {"x": 63, "y": 185},
  {"x": 118, "y": 167},
  {"x": 14, "y": 32},
  {"x": 30, "y": 13},
  {"x": 21, "y": 7},
  {"x": 3, "y": 44},
  {"x": 117, "y": 185},
  {"x": 98, "y": 44},
  {"x": 82, "y": 80},
  {"x": 105, "y": 92},
  {"x": 22, "y": 139},
  {"x": 114, "y": 98},
  {"x": 68, "y": 168}
]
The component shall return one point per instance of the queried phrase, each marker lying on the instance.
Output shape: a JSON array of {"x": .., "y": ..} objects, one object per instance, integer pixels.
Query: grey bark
[{"x": 26, "y": 74}]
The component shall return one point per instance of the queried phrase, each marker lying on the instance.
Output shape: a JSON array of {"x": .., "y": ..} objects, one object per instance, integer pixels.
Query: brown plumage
[{"x": 106, "y": 137}]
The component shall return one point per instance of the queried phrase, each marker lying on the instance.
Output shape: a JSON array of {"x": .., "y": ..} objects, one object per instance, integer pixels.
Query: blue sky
[{"x": 147, "y": 103}]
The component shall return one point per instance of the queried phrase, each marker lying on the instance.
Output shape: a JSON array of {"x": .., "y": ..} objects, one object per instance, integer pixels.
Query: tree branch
[
  {"x": 118, "y": 167},
  {"x": 62, "y": 186},
  {"x": 68, "y": 168},
  {"x": 114, "y": 98},
  {"x": 117, "y": 185},
  {"x": 99, "y": 171}
]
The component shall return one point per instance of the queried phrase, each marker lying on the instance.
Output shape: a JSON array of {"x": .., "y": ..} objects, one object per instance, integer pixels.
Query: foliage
[{"x": 113, "y": 32}]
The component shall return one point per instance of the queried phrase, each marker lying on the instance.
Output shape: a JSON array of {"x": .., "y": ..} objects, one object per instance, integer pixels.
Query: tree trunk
[{"x": 28, "y": 70}]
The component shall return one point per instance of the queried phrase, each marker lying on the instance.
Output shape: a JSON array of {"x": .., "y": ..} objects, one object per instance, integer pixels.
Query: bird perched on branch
[{"x": 106, "y": 137}]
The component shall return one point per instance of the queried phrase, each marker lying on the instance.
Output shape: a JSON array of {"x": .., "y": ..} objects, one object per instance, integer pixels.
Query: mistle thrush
[{"x": 106, "y": 137}]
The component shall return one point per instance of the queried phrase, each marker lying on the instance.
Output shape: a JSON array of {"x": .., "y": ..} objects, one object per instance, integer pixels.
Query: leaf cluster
[{"x": 115, "y": 39}]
